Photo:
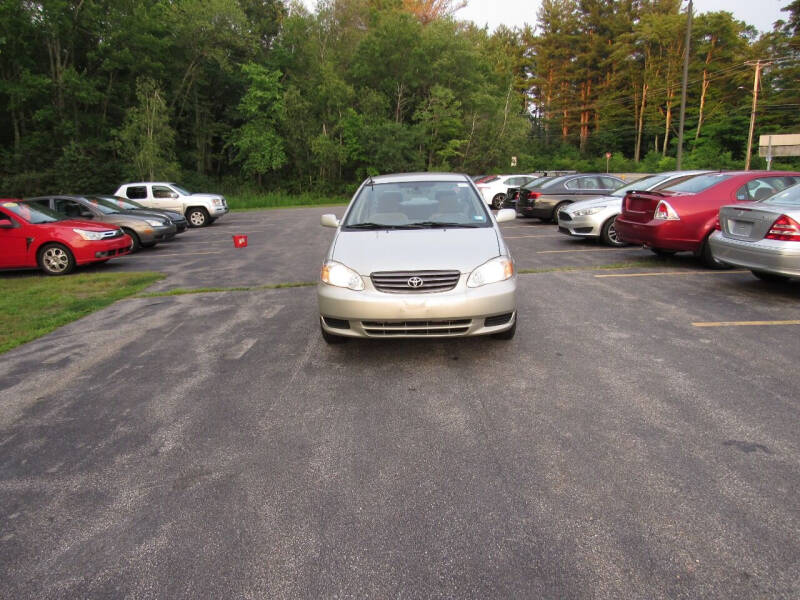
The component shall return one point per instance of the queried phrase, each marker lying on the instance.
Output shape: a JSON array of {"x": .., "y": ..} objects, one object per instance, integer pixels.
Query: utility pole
[
  {"x": 683, "y": 85},
  {"x": 758, "y": 66}
]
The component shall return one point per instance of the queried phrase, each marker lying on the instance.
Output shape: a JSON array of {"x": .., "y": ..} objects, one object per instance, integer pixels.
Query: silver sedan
[
  {"x": 762, "y": 236},
  {"x": 595, "y": 217},
  {"x": 417, "y": 255}
]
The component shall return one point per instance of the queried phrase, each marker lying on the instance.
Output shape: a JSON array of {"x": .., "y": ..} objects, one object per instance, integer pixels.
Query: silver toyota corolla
[
  {"x": 762, "y": 236},
  {"x": 417, "y": 255},
  {"x": 595, "y": 217}
]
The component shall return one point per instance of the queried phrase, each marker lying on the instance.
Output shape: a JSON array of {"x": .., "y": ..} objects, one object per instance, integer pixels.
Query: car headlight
[
  {"x": 154, "y": 223},
  {"x": 588, "y": 211},
  {"x": 334, "y": 273},
  {"x": 497, "y": 269},
  {"x": 217, "y": 201},
  {"x": 90, "y": 235}
]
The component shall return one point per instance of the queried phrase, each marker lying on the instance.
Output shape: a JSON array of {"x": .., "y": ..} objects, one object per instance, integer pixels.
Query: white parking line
[
  {"x": 541, "y": 235},
  {"x": 743, "y": 323},
  {"x": 585, "y": 250},
  {"x": 272, "y": 311},
  {"x": 174, "y": 254},
  {"x": 240, "y": 349},
  {"x": 659, "y": 273}
]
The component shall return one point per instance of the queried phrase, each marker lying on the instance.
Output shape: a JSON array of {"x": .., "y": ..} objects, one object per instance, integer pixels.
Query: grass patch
[
  {"x": 217, "y": 290},
  {"x": 250, "y": 201},
  {"x": 33, "y": 305}
]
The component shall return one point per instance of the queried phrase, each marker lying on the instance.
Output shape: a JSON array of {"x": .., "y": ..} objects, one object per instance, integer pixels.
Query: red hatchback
[
  {"x": 31, "y": 237},
  {"x": 681, "y": 217}
]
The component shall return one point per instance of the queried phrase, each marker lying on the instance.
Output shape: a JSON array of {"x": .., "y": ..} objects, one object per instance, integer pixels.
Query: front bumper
[
  {"x": 770, "y": 256},
  {"x": 461, "y": 311},
  {"x": 585, "y": 225},
  {"x": 86, "y": 252},
  {"x": 217, "y": 211},
  {"x": 153, "y": 235}
]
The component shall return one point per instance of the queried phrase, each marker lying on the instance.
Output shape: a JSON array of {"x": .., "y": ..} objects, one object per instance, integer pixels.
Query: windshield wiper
[
  {"x": 442, "y": 224},
  {"x": 371, "y": 226}
]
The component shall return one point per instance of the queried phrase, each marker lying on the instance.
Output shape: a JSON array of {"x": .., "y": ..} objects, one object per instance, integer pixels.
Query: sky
[{"x": 760, "y": 13}]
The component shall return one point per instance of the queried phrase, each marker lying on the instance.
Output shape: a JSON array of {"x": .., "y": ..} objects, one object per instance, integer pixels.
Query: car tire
[
  {"x": 508, "y": 334},
  {"x": 331, "y": 338},
  {"x": 708, "y": 260},
  {"x": 497, "y": 201},
  {"x": 663, "y": 253},
  {"x": 770, "y": 277},
  {"x": 557, "y": 208},
  {"x": 197, "y": 216},
  {"x": 608, "y": 233},
  {"x": 137, "y": 242},
  {"x": 56, "y": 259}
]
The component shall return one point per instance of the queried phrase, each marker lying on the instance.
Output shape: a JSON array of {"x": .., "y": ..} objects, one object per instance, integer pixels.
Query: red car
[
  {"x": 680, "y": 218},
  {"x": 31, "y": 237}
]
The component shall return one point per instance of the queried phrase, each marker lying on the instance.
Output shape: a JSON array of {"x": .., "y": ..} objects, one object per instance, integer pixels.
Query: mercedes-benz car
[{"x": 417, "y": 255}]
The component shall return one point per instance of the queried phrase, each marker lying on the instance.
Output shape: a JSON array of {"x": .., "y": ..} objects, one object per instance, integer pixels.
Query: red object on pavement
[{"x": 240, "y": 241}]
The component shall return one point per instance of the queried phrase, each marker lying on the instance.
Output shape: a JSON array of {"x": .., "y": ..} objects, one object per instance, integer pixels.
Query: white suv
[
  {"x": 200, "y": 209},
  {"x": 494, "y": 190}
]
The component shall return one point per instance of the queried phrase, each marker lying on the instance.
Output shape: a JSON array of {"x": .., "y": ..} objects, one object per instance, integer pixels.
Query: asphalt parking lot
[{"x": 638, "y": 438}]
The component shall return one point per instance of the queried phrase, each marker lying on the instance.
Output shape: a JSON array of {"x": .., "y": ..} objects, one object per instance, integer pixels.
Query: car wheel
[
  {"x": 708, "y": 258},
  {"x": 609, "y": 233},
  {"x": 663, "y": 253},
  {"x": 558, "y": 207},
  {"x": 137, "y": 242},
  {"x": 770, "y": 277},
  {"x": 56, "y": 259},
  {"x": 197, "y": 216},
  {"x": 508, "y": 333},
  {"x": 497, "y": 201},
  {"x": 331, "y": 338}
]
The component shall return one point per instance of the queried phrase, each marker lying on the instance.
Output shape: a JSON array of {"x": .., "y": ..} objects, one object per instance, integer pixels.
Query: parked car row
[
  {"x": 58, "y": 232},
  {"x": 747, "y": 219}
]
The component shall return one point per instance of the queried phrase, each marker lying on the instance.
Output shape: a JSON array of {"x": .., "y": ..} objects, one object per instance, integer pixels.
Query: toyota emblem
[{"x": 415, "y": 282}]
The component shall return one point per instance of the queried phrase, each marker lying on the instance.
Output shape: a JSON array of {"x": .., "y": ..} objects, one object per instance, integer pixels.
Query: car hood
[
  {"x": 203, "y": 196},
  {"x": 87, "y": 225},
  {"x": 591, "y": 202},
  {"x": 141, "y": 212},
  {"x": 415, "y": 249}
]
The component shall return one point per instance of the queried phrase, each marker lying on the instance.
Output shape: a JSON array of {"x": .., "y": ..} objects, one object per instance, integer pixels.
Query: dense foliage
[{"x": 266, "y": 94}]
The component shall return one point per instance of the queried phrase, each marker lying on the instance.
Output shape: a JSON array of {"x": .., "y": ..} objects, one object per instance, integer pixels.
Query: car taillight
[
  {"x": 534, "y": 195},
  {"x": 784, "y": 229},
  {"x": 665, "y": 212},
  {"x": 516, "y": 196}
]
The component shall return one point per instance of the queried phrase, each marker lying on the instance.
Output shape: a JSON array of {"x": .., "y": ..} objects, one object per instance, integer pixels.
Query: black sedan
[{"x": 545, "y": 199}]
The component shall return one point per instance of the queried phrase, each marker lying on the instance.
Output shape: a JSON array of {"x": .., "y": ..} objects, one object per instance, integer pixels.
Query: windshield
[
  {"x": 182, "y": 191},
  {"x": 790, "y": 196},
  {"x": 104, "y": 206},
  {"x": 32, "y": 213},
  {"x": 640, "y": 184},
  {"x": 417, "y": 204},
  {"x": 698, "y": 184},
  {"x": 120, "y": 202}
]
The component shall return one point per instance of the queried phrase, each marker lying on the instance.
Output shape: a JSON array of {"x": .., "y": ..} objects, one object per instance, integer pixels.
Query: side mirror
[
  {"x": 6, "y": 224},
  {"x": 506, "y": 214},
  {"x": 329, "y": 221},
  {"x": 85, "y": 214},
  {"x": 173, "y": 195}
]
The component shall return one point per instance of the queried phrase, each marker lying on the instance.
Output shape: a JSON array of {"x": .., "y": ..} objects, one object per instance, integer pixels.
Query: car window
[
  {"x": 136, "y": 192},
  {"x": 103, "y": 205},
  {"x": 416, "y": 204},
  {"x": 538, "y": 182},
  {"x": 70, "y": 208},
  {"x": 550, "y": 184},
  {"x": 789, "y": 196},
  {"x": 159, "y": 191},
  {"x": 640, "y": 184},
  {"x": 181, "y": 190},
  {"x": 698, "y": 184},
  {"x": 763, "y": 187},
  {"x": 513, "y": 181},
  {"x": 32, "y": 212},
  {"x": 584, "y": 183},
  {"x": 609, "y": 183}
]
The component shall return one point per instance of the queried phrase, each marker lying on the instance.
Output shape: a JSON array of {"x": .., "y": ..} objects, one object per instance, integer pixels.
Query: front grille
[
  {"x": 416, "y": 328},
  {"x": 397, "y": 282},
  {"x": 497, "y": 320},
  {"x": 583, "y": 230},
  {"x": 564, "y": 216}
]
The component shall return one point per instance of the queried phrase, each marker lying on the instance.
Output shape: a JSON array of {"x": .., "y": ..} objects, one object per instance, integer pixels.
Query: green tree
[{"x": 146, "y": 139}]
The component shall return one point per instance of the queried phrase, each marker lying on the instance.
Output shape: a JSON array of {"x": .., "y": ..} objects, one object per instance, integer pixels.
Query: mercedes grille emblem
[{"x": 415, "y": 282}]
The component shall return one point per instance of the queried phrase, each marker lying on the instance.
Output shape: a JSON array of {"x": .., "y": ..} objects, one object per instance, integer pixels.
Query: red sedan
[
  {"x": 681, "y": 217},
  {"x": 31, "y": 237}
]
